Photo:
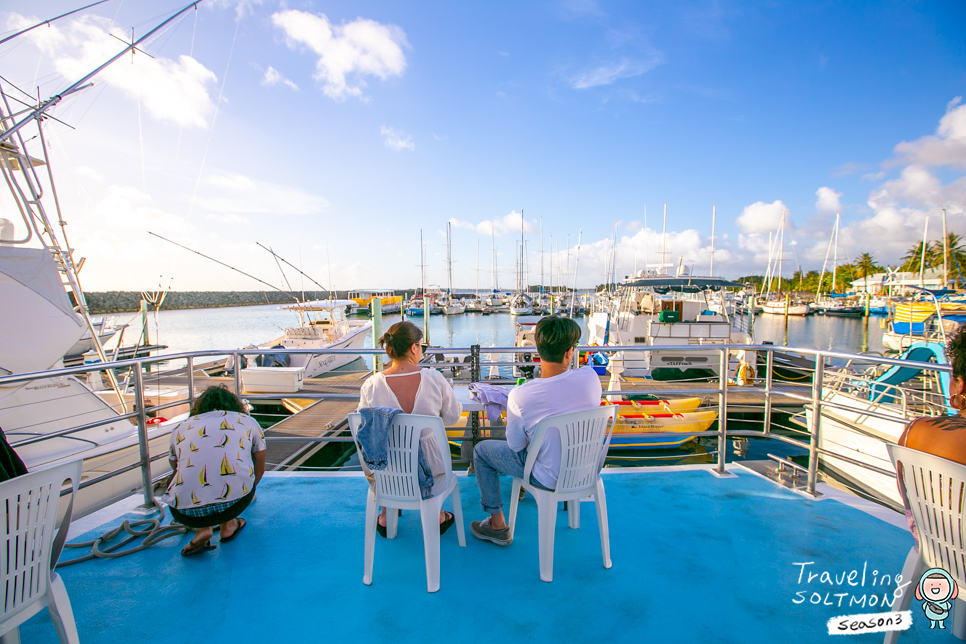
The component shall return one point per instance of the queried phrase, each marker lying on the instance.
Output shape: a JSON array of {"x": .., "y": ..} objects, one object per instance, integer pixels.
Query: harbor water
[{"x": 239, "y": 327}]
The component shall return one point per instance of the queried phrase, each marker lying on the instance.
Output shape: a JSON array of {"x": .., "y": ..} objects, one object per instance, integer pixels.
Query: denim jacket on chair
[{"x": 373, "y": 438}]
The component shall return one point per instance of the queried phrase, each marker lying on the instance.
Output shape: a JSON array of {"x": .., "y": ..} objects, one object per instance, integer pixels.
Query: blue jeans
[{"x": 490, "y": 459}]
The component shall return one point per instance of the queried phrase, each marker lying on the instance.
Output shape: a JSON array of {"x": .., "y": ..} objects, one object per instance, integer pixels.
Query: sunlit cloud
[
  {"x": 508, "y": 225},
  {"x": 347, "y": 53}
]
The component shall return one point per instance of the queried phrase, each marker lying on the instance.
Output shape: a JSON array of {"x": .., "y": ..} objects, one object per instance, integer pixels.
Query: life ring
[{"x": 156, "y": 420}]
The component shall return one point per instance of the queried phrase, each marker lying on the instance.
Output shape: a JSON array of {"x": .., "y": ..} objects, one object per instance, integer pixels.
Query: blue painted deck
[{"x": 696, "y": 559}]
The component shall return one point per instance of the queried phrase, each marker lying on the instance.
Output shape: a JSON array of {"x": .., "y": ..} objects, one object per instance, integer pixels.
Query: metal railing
[{"x": 478, "y": 361}]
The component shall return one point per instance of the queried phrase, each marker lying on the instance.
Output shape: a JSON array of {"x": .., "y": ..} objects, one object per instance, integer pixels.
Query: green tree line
[{"x": 866, "y": 265}]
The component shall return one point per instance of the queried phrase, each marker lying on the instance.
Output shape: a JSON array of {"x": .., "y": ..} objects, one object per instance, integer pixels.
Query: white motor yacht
[
  {"x": 323, "y": 326},
  {"x": 667, "y": 311}
]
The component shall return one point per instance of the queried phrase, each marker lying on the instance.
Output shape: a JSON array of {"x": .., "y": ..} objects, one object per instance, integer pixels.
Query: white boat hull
[
  {"x": 860, "y": 437},
  {"x": 778, "y": 308}
]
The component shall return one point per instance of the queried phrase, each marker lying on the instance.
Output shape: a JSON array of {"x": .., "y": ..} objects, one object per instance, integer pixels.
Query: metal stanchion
[
  {"x": 145, "y": 452},
  {"x": 722, "y": 413},
  {"x": 236, "y": 360},
  {"x": 814, "y": 425},
  {"x": 769, "y": 379},
  {"x": 191, "y": 382}
]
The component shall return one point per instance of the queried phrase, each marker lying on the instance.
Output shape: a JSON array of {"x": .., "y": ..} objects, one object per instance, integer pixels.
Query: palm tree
[
  {"x": 911, "y": 260},
  {"x": 864, "y": 265}
]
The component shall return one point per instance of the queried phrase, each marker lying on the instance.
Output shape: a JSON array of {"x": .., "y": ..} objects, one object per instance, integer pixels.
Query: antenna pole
[{"x": 274, "y": 254}]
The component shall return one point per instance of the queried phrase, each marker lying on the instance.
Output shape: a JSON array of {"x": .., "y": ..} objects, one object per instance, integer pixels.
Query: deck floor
[{"x": 696, "y": 559}]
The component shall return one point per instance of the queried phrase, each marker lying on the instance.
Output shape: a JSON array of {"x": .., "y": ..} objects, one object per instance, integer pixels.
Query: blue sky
[{"x": 343, "y": 129}]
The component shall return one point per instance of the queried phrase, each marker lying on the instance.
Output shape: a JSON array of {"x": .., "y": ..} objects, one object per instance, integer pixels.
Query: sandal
[
  {"x": 194, "y": 549},
  {"x": 381, "y": 529},
  {"x": 444, "y": 526},
  {"x": 241, "y": 524}
]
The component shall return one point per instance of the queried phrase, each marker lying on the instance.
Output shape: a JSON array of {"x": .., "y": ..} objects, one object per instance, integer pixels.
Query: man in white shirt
[{"x": 557, "y": 391}]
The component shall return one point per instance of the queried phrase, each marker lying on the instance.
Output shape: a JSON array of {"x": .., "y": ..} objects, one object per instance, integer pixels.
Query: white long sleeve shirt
[{"x": 528, "y": 404}]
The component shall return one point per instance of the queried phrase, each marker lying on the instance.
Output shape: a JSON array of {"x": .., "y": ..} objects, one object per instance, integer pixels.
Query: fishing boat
[
  {"x": 323, "y": 325},
  {"x": 655, "y": 311}
]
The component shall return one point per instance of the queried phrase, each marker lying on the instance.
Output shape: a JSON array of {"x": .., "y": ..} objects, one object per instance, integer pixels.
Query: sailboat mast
[
  {"x": 477, "y": 271},
  {"x": 922, "y": 256},
  {"x": 645, "y": 239},
  {"x": 835, "y": 255},
  {"x": 664, "y": 237},
  {"x": 449, "y": 264},
  {"x": 541, "y": 254},
  {"x": 573, "y": 297},
  {"x": 712, "y": 239},
  {"x": 781, "y": 253},
  {"x": 945, "y": 251}
]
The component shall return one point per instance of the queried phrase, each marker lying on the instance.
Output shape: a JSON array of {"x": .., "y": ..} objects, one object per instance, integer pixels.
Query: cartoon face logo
[{"x": 936, "y": 590}]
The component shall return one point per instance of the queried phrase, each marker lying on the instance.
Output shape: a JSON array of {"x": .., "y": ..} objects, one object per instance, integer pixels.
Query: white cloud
[
  {"x": 761, "y": 217},
  {"x": 172, "y": 91},
  {"x": 613, "y": 72},
  {"x": 508, "y": 225},
  {"x": 235, "y": 194},
  {"x": 828, "y": 200},
  {"x": 945, "y": 148},
  {"x": 274, "y": 77},
  {"x": 395, "y": 140},
  {"x": 359, "y": 48}
]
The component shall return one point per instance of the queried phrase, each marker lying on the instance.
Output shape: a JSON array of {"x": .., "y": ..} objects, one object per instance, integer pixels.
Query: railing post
[
  {"x": 722, "y": 410},
  {"x": 191, "y": 382},
  {"x": 769, "y": 379},
  {"x": 376, "y": 305},
  {"x": 145, "y": 452},
  {"x": 236, "y": 361},
  {"x": 475, "y": 363},
  {"x": 815, "y": 424}
]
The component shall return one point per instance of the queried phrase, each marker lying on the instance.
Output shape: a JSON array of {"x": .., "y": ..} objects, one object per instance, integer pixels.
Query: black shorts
[{"x": 217, "y": 516}]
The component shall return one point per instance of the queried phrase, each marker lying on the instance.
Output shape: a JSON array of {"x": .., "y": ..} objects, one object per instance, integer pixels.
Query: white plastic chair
[
  {"x": 397, "y": 487},
  {"x": 936, "y": 490},
  {"x": 584, "y": 439},
  {"x": 28, "y": 582}
]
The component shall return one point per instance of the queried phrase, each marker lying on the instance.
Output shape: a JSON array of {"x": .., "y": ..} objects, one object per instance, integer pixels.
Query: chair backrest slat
[
  {"x": 400, "y": 480},
  {"x": 935, "y": 488},
  {"x": 29, "y": 503},
  {"x": 583, "y": 443}
]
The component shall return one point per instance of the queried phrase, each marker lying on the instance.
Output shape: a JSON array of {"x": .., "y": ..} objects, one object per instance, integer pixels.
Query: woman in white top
[{"x": 407, "y": 386}]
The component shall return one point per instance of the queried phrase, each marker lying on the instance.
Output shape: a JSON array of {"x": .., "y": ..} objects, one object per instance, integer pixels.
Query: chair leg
[
  {"x": 392, "y": 523},
  {"x": 911, "y": 571},
  {"x": 514, "y": 502},
  {"x": 429, "y": 514},
  {"x": 61, "y": 614},
  {"x": 371, "y": 518},
  {"x": 573, "y": 513},
  {"x": 600, "y": 500},
  {"x": 11, "y": 637},
  {"x": 547, "y": 523},
  {"x": 959, "y": 618},
  {"x": 458, "y": 515}
]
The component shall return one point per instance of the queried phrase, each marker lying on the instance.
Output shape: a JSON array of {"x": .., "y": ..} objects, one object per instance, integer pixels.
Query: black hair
[
  {"x": 399, "y": 338},
  {"x": 956, "y": 352},
  {"x": 217, "y": 399},
  {"x": 555, "y": 336}
]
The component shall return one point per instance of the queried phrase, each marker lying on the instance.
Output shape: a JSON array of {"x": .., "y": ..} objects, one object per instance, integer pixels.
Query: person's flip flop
[
  {"x": 444, "y": 526},
  {"x": 241, "y": 524},
  {"x": 192, "y": 549}
]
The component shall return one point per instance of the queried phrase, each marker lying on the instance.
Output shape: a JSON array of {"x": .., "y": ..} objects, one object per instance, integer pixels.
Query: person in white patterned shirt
[{"x": 218, "y": 458}]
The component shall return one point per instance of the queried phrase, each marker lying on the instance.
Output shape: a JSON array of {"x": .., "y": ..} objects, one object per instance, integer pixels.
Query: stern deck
[{"x": 695, "y": 558}]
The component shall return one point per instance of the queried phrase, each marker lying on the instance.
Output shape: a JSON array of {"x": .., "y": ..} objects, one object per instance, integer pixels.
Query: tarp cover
[{"x": 664, "y": 284}]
